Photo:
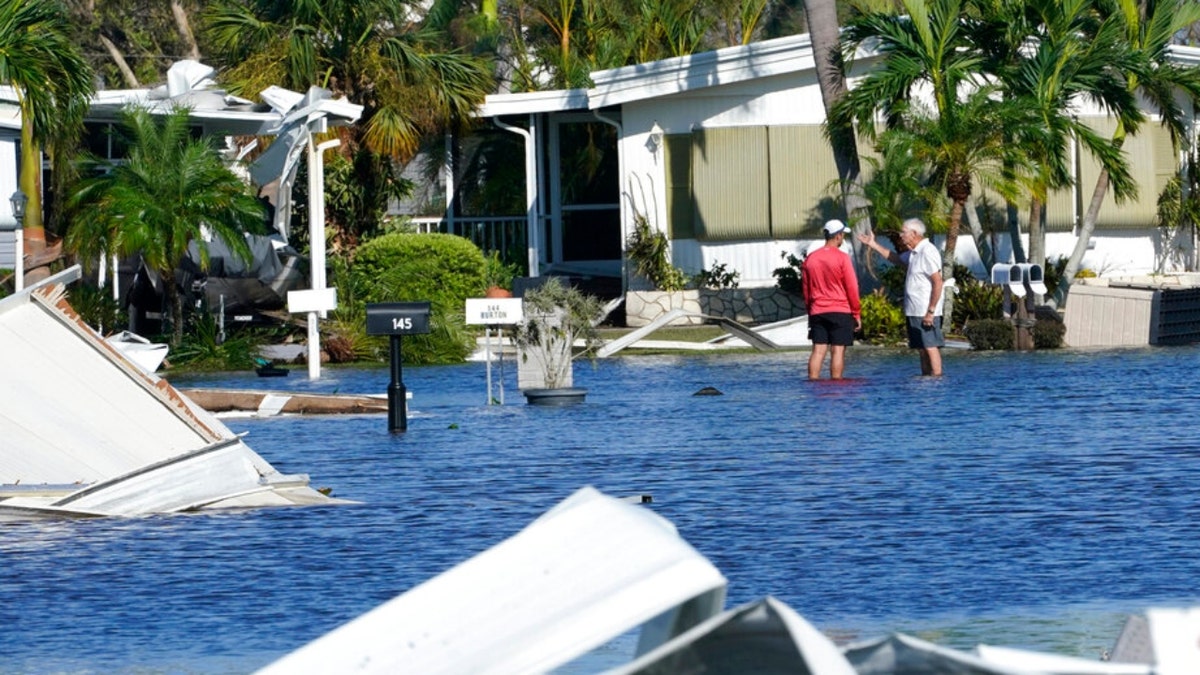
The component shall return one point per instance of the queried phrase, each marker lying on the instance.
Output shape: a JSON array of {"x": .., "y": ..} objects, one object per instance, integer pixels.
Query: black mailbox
[{"x": 398, "y": 318}]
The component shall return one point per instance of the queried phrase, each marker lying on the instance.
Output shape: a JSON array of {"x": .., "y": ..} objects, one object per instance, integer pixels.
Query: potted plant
[
  {"x": 555, "y": 316},
  {"x": 498, "y": 276}
]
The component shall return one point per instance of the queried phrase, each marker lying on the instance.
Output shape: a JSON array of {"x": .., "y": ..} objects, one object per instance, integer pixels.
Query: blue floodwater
[{"x": 1026, "y": 500}]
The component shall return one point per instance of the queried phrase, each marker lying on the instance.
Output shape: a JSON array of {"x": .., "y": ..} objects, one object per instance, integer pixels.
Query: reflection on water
[{"x": 1027, "y": 500}]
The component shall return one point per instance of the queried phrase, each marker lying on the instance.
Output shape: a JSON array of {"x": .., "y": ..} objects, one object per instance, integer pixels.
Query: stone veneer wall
[{"x": 744, "y": 305}]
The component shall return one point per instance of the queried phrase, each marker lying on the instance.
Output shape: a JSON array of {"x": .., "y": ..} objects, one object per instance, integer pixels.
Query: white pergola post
[{"x": 316, "y": 241}]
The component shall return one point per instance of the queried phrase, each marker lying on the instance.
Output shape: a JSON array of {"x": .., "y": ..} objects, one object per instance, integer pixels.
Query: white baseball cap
[{"x": 834, "y": 227}]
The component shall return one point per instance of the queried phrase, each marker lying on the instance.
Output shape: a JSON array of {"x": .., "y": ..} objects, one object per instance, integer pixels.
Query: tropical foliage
[
  {"x": 204, "y": 347},
  {"x": 440, "y": 268},
  {"x": 982, "y": 93},
  {"x": 650, "y": 253},
  {"x": 373, "y": 53},
  {"x": 555, "y": 316},
  {"x": 883, "y": 321},
  {"x": 53, "y": 84},
  {"x": 1150, "y": 28},
  {"x": 172, "y": 192},
  {"x": 964, "y": 132}
]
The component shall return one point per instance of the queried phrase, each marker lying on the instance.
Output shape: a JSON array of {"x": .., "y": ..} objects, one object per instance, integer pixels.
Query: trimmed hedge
[
  {"x": 1048, "y": 334},
  {"x": 989, "y": 334},
  {"x": 442, "y": 268}
]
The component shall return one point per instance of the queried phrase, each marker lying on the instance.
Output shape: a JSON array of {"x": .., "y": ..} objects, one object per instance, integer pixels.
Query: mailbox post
[
  {"x": 1022, "y": 283},
  {"x": 397, "y": 319}
]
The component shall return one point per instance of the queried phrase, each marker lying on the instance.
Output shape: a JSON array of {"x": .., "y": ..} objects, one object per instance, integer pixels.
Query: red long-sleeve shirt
[{"x": 830, "y": 284}]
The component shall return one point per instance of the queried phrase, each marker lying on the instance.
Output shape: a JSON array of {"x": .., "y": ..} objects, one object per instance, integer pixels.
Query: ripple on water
[{"x": 1029, "y": 500}]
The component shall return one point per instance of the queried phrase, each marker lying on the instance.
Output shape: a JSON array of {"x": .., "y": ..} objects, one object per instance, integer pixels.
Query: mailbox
[
  {"x": 1034, "y": 276},
  {"x": 1011, "y": 276},
  {"x": 398, "y": 318}
]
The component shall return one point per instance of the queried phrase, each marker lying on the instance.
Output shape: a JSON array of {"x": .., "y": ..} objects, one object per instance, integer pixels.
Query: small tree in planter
[{"x": 556, "y": 315}]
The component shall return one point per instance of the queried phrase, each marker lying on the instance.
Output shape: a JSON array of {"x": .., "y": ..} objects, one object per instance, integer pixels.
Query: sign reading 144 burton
[{"x": 398, "y": 318}]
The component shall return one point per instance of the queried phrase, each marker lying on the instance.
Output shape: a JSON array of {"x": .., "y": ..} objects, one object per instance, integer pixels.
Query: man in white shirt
[{"x": 923, "y": 286}]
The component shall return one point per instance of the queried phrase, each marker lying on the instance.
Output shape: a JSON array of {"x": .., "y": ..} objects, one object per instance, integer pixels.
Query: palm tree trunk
[
  {"x": 174, "y": 305},
  {"x": 119, "y": 59},
  {"x": 31, "y": 184},
  {"x": 986, "y": 254},
  {"x": 1086, "y": 228},
  {"x": 185, "y": 29},
  {"x": 1037, "y": 233},
  {"x": 956, "y": 214},
  {"x": 1037, "y": 240},
  {"x": 831, "y": 76},
  {"x": 1014, "y": 231}
]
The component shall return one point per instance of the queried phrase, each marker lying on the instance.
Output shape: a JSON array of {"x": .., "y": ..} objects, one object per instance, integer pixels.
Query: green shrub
[
  {"x": 97, "y": 307},
  {"x": 975, "y": 300},
  {"x": 990, "y": 334},
  {"x": 650, "y": 252},
  {"x": 883, "y": 322},
  {"x": 498, "y": 273},
  {"x": 1048, "y": 334},
  {"x": 720, "y": 276},
  {"x": 443, "y": 269},
  {"x": 201, "y": 347},
  {"x": 788, "y": 278}
]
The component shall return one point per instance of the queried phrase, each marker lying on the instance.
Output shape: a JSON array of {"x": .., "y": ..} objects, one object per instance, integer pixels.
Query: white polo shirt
[{"x": 923, "y": 262}]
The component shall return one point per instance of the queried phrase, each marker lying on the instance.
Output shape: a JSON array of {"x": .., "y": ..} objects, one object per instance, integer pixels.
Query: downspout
[
  {"x": 448, "y": 163},
  {"x": 620, "y": 203},
  {"x": 534, "y": 234}
]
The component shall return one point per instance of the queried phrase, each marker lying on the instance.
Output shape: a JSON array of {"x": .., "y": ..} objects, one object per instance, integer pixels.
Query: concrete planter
[{"x": 556, "y": 397}]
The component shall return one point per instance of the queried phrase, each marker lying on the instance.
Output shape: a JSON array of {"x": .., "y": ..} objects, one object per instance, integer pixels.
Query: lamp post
[{"x": 18, "y": 201}]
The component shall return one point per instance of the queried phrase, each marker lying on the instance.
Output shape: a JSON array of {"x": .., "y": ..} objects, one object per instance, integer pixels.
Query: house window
[
  {"x": 731, "y": 191},
  {"x": 1152, "y": 163},
  {"x": 738, "y": 183}
]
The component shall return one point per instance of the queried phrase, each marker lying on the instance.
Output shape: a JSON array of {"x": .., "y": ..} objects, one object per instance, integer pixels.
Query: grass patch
[{"x": 702, "y": 333}]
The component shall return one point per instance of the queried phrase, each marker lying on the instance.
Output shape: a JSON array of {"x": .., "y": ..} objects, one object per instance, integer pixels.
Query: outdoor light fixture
[
  {"x": 18, "y": 201},
  {"x": 654, "y": 142}
]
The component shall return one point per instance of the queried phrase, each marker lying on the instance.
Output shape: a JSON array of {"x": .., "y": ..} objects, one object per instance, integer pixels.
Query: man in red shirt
[{"x": 831, "y": 297}]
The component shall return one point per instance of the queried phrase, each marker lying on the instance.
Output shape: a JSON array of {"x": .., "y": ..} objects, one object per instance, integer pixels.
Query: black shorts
[{"x": 833, "y": 328}]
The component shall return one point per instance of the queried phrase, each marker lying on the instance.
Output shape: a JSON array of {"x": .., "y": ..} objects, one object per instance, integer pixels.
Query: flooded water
[{"x": 1026, "y": 500}]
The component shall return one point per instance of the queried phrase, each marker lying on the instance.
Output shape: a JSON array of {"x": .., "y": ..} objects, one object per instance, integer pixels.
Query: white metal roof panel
[
  {"x": 696, "y": 71},
  {"x": 87, "y": 432},
  {"x": 558, "y": 100},
  {"x": 70, "y": 414},
  {"x": 588, "y": 570}
]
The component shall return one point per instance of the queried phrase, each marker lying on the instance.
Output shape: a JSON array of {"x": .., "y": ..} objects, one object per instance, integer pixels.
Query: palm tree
[
  {"x": 1150, "y": 28},
  {"x": 369, "y": 51},
  {"x": 962, "y": 133},
  {"x": 1077, "y": 56},
  {"x": 899, "y": 188},
  {"x": 53, "y": 84},
  {"x": 831, "y": 77},
  {"x": 171, "y": 191}
]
